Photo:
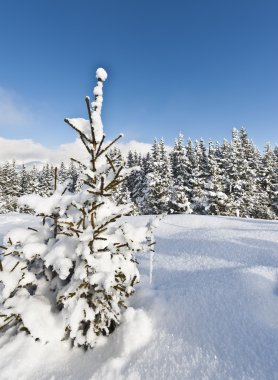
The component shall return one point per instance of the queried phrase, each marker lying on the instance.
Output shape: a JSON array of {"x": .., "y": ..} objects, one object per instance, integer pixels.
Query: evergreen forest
[{"x": 232, "y": 179}]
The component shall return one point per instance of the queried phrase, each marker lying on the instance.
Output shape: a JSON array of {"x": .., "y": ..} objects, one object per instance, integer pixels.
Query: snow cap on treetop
[{"x": 101, "y": 74}]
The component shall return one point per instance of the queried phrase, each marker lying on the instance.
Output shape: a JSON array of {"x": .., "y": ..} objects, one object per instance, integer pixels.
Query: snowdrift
[{"x": 211, "y": 311}]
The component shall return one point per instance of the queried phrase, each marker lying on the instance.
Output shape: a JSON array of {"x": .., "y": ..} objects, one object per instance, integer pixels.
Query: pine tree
[
  {"x": 198, "y": 179},
  {"x": 121, "y": 195},
  {"x": 32, "y": 266},
  {"x": 82, "y": 251},
  {"x": 136, "y": 181},
  {"x": 138, "y": 159},
  {"x": 2, "y": 191},
  {"x": 63, "y": 173},
  {"x": 130, "y": 159},
  {"x": 146, "y": 163},
  {"x": 247, "y": 176},
  {"x": 46, "y": 181},
  {"x": 99, "y": 295},
  {"x": 251, "y": 206},
  {"x": 150, "y": 181},
  {"x": 33, "y": 181},
  {"x": 190, "y": 156},
  {"x": 216, "y": 198},
  {"x": 10, "y": 188},
  {"x": 73, "y": 177},
  {"x": 158, "y": 183},
  {"x": 133, "y": 186},
  {"x": 268, "y": 183},
  {"x": 235, "y": 175},
  {"x": 179, "y": 202},
  {"x": 13, "y": 181},
  {"x": 24, "y": 181}
]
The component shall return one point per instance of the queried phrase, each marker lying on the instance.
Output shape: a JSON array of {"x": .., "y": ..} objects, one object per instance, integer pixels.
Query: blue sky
[{"x": 197, "y": 66}]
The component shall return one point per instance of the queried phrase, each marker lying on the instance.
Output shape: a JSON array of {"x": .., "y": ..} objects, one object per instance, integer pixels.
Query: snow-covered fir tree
[
  {"x": 32, "y": 266},
  {"x": 24, "y": 181},
  {"x": 72, "y": 177},
  {"x": 71, "y": 277},
  {"x": 130, "y": 162},
  {"x": 217, "y": 200},
  {"x": 179, "y": 202},
  {"x": 190, "y": 155},
  {"x": 63, "y": 174},
  {"x": 158, "y": 181},
  {"x": 198, "y": 178},
  {"x": 251, "y": 205},
  {"x": 226, "y": 179},
  {"x": 234, "y": 175},
  {"x": 33, "y": 181},
  {"x": 46, "y": 181},
  {"x": 136, "y": 181},
  {"x": 268, "y": 181},
  {"x": 121, "y": 195},
  {"x": 10, "y": 188}
]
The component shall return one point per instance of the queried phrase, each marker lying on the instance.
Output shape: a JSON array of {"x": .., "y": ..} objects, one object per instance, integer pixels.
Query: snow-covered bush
[
  {"x": 73, "y": 274},
  {"x": 28, "y": 276}
]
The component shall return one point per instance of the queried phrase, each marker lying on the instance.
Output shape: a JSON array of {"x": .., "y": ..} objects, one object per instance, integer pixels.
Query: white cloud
[
  {"x": 133, "y": 145},
  {"x": 13, "y": 112},
  {"x": 26, "y": 151}
]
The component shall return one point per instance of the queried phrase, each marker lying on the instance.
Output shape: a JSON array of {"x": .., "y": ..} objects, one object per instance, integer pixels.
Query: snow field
[{"x": 211, "y": 311}]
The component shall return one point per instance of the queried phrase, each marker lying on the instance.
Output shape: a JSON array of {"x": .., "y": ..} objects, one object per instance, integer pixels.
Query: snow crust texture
[{"x": 210, "y": 313}]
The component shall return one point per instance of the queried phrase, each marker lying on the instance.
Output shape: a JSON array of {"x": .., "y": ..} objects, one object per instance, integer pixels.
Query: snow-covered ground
[{"x": 210, "y": 313}]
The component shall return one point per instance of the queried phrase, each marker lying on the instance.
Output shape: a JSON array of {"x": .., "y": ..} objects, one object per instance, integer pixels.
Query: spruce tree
[
  {"x": 252, "y": 199},
  {"x": 136, "y": 182},
  {"x": 198, "y": 178},
  {"x": 46, "y": 181},
  {"x": 234, "y": 175},
  {"x": 105, "y": 271},
  {"x": 190, "y": 162},
  {"x": 158, "y": 182},
  {"x": 130, "y": 159},
  {"x": 10, "y": 189},
  {"x": 30, "y": 272},
  {"x": 2, "y": 191},
  {"x": 63, "y": 173},
  {"x": 34, "y": 181},
  {"x": 268, "y": 182},
  {"x": 179, "y": 202},
  {"x": 216, "y": 198},
  {"x": 83, "y": 251},
  {"x": 121, "y": 195},
  {"x": 73, "y": 177},
  {"x": 24, "y": 181},
  {"x": 75, "y": 271}
]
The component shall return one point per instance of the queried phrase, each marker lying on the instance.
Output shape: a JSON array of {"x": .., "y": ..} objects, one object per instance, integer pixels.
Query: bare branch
[
  {"x": 101, "y": 185},
  {"x": 30, "y": 228},
  {"x": 87, "y": 99},
  {"x": 80, "y": 163},
  {"x": 109, "y": 145},
  {"x": 78, "y": 131},
  {"x": 111, "y": 163},
  {"x": 100, "y": 145}
]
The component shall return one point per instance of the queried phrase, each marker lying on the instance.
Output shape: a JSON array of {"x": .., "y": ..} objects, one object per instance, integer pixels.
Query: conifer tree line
[
  {"x": 233, "y": 178},
  {"x": 18, "y": 181}
]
